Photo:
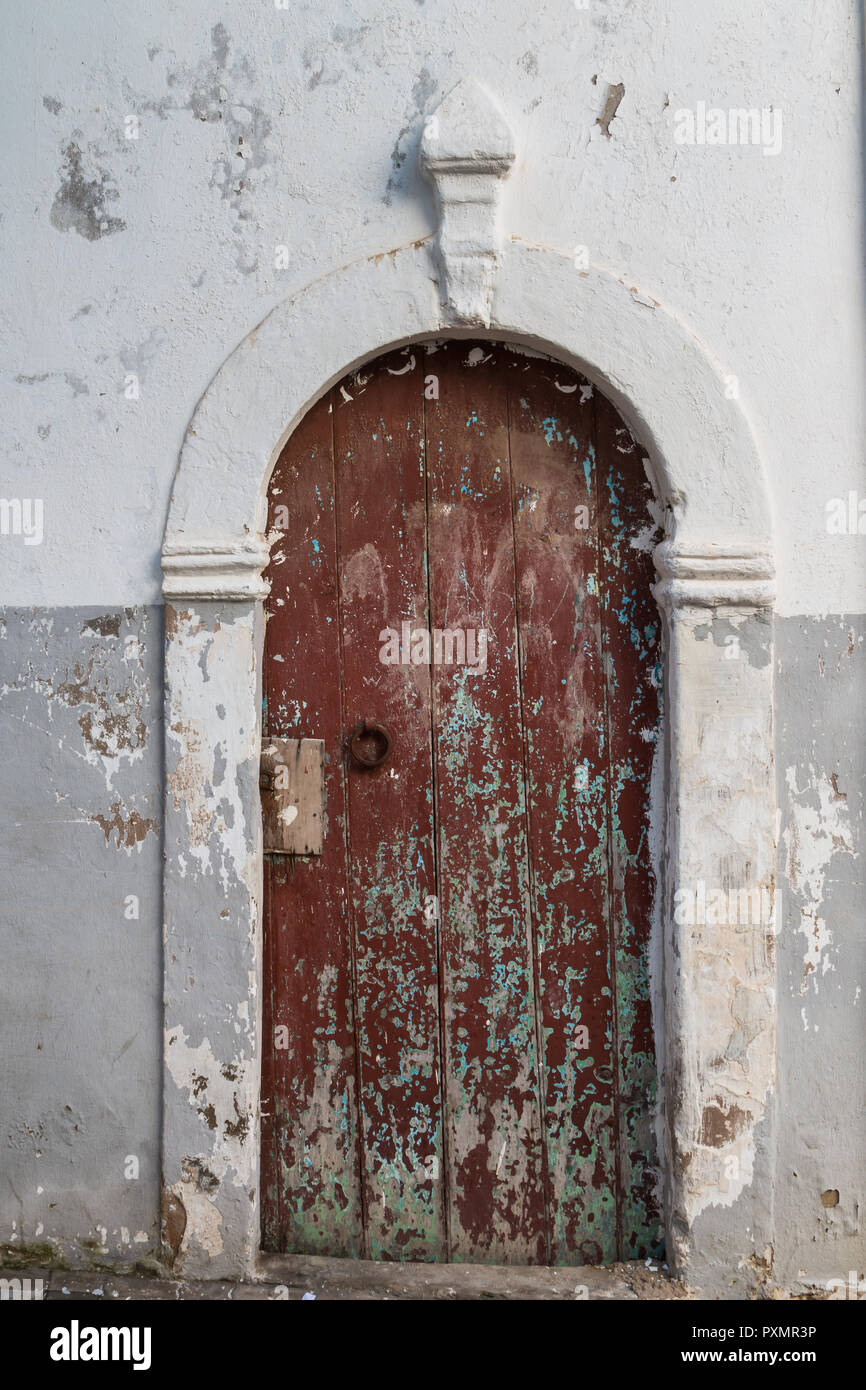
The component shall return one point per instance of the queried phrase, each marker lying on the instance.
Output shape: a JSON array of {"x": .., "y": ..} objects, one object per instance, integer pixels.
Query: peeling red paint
[{"x": 474, "y": 1082}]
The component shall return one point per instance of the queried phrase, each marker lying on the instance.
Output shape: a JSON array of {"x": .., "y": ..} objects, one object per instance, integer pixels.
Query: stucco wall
[{"x": 138, "y": 252}]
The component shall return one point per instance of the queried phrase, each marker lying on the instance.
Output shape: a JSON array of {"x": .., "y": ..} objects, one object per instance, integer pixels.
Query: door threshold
[{"x": 330, "y": 1277}]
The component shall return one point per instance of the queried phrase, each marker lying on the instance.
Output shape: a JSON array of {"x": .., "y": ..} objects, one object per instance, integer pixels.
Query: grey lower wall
[
  {"x": 80, "y": 824},
  {"x": 80, "y": 1013},
  {"x": 821, "y": 754}
]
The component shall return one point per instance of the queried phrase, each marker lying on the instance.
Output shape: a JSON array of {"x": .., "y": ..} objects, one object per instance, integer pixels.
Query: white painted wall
[{"x": 761, "y": 255}]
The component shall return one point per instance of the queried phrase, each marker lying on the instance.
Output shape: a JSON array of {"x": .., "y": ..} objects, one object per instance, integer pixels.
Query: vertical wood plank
[
  {"x": 556, "y": 543},
  {"x": 632, "y": 639},
  {"x": 379, "y": 447},
  {"x": 273, "y": 1219},
  {"x": 310, "y": 1181},
  {"x": 493, "y": 1123}
]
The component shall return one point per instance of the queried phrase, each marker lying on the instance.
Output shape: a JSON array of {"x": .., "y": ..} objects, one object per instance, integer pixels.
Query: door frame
[{"x": 714, "y": 805}]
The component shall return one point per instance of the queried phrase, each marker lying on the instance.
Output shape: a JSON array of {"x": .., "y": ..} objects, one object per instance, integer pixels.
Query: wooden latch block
[{"x": 292, "y": 782}]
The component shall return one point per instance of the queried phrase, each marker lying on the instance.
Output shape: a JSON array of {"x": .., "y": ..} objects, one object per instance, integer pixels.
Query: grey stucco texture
[
  {"x": 81, "y": 802},
  {"x": 80, "y": 696}
]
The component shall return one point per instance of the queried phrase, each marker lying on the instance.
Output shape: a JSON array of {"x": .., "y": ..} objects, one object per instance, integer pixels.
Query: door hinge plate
[{"x": 292, "y": 783}]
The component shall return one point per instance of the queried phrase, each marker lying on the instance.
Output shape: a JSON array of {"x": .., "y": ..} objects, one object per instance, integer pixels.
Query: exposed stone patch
[
  {"x": 106, "y": 626},
  {"x": 239, "y": 1127},
  {"x": 196, "y": 1171},
  {"x": 173, "y": 1223},
  {"x": 615, "y": 94},
  {"x": 107, "y": 732},
  {"x": 720, "y": 1124},
  {"x": 130, "y": 831}
]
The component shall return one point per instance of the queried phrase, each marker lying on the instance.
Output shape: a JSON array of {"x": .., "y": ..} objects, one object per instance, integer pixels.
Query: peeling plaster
[
  {"x": 209, "y": 672},
  {"x": 223, "y": 1103},
  {"x": 202, "y": 1222},
  {"x": 109, "y": 711},
  {"x": 226, "y": 1101},
  {"x": 720, "y": 1102},
  {"x": 819, "y": 829}
]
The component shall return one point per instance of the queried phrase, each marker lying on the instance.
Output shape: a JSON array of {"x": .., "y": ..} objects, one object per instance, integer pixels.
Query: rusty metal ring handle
[{"x": 365, "y": 729}]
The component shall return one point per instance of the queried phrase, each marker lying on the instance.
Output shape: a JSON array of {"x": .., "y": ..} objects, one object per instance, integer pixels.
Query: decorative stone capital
[
  {"x": 713, "y": 576},
  {"x": 214, "y": 572},
  {"x": 467, "y": 149}
]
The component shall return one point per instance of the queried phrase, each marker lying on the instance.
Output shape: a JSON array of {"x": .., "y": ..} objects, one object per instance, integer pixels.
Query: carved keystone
[{"x": 467, "y": 149}]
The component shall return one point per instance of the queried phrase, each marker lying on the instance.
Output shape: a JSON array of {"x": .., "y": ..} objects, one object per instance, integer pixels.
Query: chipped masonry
[
  {"x": 217, "y": 839},
  {"x": 726, "y": 1103},
  {"x": 208, "y": 837}
]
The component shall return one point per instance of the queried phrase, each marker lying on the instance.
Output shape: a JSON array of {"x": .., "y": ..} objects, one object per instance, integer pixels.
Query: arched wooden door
[{"x": 458, "y": 1059}]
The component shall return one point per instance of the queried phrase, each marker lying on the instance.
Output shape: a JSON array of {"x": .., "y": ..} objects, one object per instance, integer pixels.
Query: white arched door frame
[{"x": 714, "y": 815}]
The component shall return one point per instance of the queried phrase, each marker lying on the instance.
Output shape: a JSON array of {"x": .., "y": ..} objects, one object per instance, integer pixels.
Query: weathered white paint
[
  {"x": 330, "y": 102},
  {"x": 212, "y": 952},
  {"x": 652, "y": 366},
  {"x": 720, "y": 979}
]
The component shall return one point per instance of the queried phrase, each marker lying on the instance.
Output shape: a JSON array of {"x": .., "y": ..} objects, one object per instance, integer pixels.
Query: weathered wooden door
[{"x": 458, "y": 1059}]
